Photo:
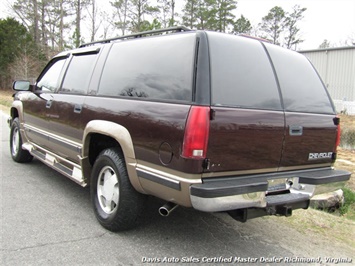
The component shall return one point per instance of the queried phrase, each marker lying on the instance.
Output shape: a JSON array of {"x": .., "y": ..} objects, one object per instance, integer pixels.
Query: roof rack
[
  {"x": 138, "y": 35},
  {"x": 255, "y": 38}
]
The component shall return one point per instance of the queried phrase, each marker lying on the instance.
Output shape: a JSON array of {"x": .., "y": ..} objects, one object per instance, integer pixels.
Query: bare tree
[
  {"x": 292, "y": 38},
  {"x": 120, "y": 15},
  {"x": 27, "y": 12},
  {"x": 78, "y": 7},
  {"x": 167, "y": 11},
  {"x": 95, "y": 19}
]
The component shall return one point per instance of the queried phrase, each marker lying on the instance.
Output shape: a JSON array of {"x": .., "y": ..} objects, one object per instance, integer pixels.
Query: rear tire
[
  {"x": 117, "y": 205},
  {"x": 17, "y": 153}
]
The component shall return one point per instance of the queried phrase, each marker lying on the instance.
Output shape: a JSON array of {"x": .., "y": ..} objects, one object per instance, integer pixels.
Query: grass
[
  {"x": 348, "y": 208},
  {"x": 319, "y": 223},
  {"x": 6, "y": 97},
  {"x": 347, "y": 123}
]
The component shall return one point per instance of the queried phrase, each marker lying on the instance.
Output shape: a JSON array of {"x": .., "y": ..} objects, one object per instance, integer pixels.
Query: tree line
[{"x": 41, "y": 28}]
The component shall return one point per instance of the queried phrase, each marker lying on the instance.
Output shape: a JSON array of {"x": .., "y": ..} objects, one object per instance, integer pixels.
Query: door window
[
  {"x": 79, "y": 73},
  {"x": 49, "y": 79}
]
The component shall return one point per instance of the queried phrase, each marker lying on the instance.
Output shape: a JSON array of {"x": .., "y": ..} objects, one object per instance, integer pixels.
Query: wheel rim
[
  {"x": 15, "y": 141},
  {"x": 108, "y": 190}
]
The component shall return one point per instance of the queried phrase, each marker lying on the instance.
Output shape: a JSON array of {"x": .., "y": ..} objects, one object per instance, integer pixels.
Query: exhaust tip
[{"x": 167, "y": 208}]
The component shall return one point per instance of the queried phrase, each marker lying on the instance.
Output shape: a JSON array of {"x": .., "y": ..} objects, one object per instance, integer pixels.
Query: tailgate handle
[{"x": 296, "y": 130}]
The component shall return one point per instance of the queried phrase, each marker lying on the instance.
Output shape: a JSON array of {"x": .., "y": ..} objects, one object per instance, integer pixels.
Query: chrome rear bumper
[{"x": 265, "y": 191}]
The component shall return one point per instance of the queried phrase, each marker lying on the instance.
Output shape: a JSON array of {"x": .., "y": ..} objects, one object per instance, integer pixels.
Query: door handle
[
  {"x": 78, "y": 108},
  {"x": 296, "y": 130},
  {"x": 49, "y": 103}
]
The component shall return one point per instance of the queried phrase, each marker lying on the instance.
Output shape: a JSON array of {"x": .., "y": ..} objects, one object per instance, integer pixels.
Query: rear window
[
  {"x": 301, "y": 87},
  {"x": 241, "y": 73},
  {"x": 151, "y": 68}
]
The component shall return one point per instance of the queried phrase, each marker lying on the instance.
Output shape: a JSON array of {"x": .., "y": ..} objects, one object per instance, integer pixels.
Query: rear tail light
[
  {"x": 196, "y": 133},
  {"x": 337, "y": 141}
]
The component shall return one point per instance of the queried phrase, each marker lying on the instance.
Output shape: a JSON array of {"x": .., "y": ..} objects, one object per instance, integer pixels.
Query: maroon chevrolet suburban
[{"x": 216, "y": 122}]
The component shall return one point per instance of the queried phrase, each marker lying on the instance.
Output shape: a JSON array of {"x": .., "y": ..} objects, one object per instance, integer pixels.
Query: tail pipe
[{"x": 167, "y": 208}]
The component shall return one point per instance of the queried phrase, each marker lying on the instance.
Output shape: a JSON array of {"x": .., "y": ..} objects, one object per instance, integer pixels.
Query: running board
[{"x": 69, "y": 169}]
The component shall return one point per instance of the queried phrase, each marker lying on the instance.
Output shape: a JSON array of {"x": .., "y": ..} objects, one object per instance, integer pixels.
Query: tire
[
  {"x": 117, "y": 205},
  {"x": 17, "y": 153}
]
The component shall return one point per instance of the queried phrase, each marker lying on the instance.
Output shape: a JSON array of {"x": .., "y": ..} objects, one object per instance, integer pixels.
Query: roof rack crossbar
[{"x": 137, "y": 35}]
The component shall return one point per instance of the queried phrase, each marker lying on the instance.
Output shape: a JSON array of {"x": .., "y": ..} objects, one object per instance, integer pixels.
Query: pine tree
[
  {"x": 242, "y": 26},
  {"x": 139, "y": 9},
  {"x": 167, "y": 11},
  {"x": 224, "y": 14},
  {"x": 190, "y": 11},
  {"x": 273, "y": 24}
]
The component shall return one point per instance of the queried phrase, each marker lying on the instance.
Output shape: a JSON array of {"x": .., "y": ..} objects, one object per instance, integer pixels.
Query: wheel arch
[
  {"x": 16, "y": 110},
  {"x": 110, "y": 134}
]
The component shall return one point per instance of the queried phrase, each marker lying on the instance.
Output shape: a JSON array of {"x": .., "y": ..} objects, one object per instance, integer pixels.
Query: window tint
[
  {"x": 155, "y": 68},
  {"x": 79, "y": 72},
  {"x": 301, "y": 87},
  {"x": 49, "y": 81},
  {"x": 241, "y": 73}
]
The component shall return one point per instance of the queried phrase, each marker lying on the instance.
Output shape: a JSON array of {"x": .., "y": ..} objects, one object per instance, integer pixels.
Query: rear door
[
  {"x": 247, "y": 126},
  {"x": 310, "y": 128}
]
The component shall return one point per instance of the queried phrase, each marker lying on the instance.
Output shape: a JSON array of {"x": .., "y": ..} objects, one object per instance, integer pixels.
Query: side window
[
  {"x": 241, "y": 74},
  {"x": 49, "y": 80},
  {"x": 78, "y": 75},
  {"x": 153, "y": 68},
  {"x": 302, "y": 89}
]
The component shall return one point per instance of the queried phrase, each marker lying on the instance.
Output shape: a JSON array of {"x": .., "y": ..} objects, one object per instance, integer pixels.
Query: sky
[{"x": 333, "y": 20}]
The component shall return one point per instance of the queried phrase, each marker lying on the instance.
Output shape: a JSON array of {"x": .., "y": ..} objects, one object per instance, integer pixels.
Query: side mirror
[{"x": 21, "y": 85}]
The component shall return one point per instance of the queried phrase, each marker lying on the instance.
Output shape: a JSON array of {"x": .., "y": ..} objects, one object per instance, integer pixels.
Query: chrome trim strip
[
  {"x": 304, "y": 167},
  {"x": 239, "y": 173},
  {"x": 72, "y": 145},
  {"x": 169, "y": 174},
  {"x": 160, "y": 175},
  {"x": 265, "y": 170},
  {"x": 159, "y": 179}
]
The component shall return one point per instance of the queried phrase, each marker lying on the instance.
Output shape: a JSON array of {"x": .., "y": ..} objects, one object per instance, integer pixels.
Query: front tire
[
  {"x": 117, "y": 205},
  {"x": 17, "y": 153}
]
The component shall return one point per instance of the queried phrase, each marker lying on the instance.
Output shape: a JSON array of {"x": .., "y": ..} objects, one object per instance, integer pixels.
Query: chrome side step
[{"x": 60, "y": 164}]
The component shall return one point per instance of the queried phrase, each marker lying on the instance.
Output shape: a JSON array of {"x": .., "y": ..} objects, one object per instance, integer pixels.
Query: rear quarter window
[
  {"x": 152, "y": 68},
  {"x": 301, "y": 86},
  {"x": 241, "y": 73}
]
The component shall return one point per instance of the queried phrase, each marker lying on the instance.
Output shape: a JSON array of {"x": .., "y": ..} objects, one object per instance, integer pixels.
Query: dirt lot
[{"x": 346, "y": 161}]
